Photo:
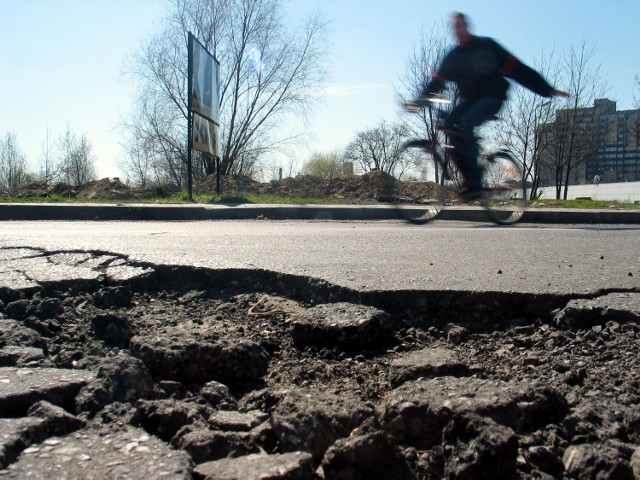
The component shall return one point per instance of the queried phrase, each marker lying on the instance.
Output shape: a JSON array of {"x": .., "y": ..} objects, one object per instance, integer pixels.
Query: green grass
[
  {"x": 585, "y": 204},
  {"x": 254, "y": 199},
  {"x": 183, "y": 197}
]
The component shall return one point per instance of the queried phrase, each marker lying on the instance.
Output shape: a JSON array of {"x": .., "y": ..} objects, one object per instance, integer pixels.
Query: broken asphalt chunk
[
  {"x": 417, "y": 412},
  {"x": 22, "y": 387},
  {"x": 102, "y": 453},
  {"x": 343, "y": 324}
]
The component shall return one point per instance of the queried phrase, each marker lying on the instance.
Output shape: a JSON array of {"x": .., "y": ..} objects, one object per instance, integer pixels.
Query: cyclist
[{"x": 478, "y": 66}]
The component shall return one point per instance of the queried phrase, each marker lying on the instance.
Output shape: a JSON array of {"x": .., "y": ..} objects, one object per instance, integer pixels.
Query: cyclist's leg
[
  {"x": 457, "y": 137},
  {"x": 465, "y": 119}
]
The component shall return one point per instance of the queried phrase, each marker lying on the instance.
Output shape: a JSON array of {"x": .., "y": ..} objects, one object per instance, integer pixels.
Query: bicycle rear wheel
[
  {"x": 506, "y": 194},
  {"x": 421, "y": 202}
]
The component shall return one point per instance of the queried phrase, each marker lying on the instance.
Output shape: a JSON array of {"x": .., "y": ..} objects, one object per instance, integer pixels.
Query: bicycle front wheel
[
  {"x": 506, "y": 193},
  {"x": 421, "y": 202}
]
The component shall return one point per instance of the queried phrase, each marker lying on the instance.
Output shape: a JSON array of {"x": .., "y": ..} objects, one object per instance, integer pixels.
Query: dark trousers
[{"x": 463, "y": 119}]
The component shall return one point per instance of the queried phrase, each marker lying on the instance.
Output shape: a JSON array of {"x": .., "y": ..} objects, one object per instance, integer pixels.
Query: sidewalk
[{"x": 186, "y": 212}]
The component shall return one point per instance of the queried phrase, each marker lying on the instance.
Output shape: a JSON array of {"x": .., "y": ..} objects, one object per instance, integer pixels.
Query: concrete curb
[{"x": 140, "y": 211}]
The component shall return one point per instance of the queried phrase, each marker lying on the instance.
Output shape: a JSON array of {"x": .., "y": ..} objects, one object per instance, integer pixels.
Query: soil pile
[
  {"x": 368, "y": 187},
  {"x": 104, "y": 189}
]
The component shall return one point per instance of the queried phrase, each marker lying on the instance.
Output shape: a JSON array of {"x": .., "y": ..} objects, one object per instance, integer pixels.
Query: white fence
[{"x": 622, "y": 192}]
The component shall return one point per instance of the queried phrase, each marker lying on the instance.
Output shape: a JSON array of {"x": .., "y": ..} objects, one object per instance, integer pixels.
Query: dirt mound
[
  {"x": 113, "y": 188},
  {"x": 370, "y": 186},
  {"x": 229, "y": 184},
  {"x": 43, "y": 190},
  {"x": 104, "y": 189}
]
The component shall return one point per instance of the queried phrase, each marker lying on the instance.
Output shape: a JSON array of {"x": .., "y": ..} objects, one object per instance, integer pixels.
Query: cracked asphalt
[{"x": 533, "y": 302}]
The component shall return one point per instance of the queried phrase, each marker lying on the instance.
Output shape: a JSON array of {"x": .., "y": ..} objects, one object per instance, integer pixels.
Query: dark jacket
[{"x": 479, "y": 69}]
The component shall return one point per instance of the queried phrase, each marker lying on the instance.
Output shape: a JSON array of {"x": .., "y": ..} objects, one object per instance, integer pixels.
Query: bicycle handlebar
[{"x": 434, "y": 99}]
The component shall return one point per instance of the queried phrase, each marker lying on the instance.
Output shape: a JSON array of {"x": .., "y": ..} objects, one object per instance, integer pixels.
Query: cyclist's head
[{"x": 460, "y": 27}]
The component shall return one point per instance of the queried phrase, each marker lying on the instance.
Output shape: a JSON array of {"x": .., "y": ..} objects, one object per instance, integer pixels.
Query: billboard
[
  {"x": 205, "y": 82},
  {"x": 204, "y": 135},
  {"x": 203, "y": 105}
]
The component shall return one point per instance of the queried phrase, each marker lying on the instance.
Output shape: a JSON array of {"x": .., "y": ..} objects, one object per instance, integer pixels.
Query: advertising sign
[
  {"x": 205, "y": 78},
  {"x": 204, "y": 135},
  {"x": 203, "y": 106}
]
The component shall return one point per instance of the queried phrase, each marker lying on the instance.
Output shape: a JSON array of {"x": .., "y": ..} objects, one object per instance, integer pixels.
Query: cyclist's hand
[{"x": 411, "y": 106}]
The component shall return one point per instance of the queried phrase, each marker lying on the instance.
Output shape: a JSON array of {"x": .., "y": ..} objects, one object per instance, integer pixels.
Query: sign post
[{"x": 190, "y": 120}]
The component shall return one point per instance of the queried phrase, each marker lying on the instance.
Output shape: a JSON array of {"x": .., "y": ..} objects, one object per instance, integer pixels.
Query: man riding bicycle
[{"x": 478, "y": 66}]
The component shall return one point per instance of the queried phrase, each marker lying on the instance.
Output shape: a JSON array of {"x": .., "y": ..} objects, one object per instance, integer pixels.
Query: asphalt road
[{"x": 378, "y": 255}]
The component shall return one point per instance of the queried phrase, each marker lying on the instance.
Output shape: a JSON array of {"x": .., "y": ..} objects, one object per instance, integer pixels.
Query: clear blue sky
[{"x": 62, "y": 61}]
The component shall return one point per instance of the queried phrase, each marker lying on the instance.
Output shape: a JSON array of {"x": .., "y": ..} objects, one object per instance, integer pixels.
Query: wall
[{"x": 622, "y": 192}]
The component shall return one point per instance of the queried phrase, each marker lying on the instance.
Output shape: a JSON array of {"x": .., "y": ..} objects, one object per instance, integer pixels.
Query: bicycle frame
[{"x": 503, "y": 194}]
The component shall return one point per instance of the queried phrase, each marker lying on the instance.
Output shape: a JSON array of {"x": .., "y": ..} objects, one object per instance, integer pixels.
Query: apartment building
[{"x": 607, "y": 148}]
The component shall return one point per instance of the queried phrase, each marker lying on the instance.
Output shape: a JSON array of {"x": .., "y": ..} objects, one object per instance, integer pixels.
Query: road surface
[{"x": 379, "y": 255}]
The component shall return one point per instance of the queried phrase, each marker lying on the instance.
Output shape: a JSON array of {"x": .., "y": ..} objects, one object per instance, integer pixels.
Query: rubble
[
  {"x": 587, "y": 313},
  {"x": 417, "y": 412},
  {"x": 22, "y": 387},
  {"x": 286, "y": 466},
  {"x": 186, "y": 375},
  {"x": 102, "y": 453},
  {"x": 341, "y": 324},
  {"x": 591, "y": 461},
  {"x": 368, "y": 455},
  {"x": 429, "y": 363}
]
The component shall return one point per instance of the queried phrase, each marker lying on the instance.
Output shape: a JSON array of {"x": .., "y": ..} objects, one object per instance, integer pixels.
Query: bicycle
[{"x": 503, "y": 193}]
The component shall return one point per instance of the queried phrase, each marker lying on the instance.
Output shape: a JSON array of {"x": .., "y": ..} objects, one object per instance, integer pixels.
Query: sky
[{"x": 63, "y": 63}]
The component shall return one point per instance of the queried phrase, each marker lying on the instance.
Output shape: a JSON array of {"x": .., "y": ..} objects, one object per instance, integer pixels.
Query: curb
[{"x": 138, "y": 212}]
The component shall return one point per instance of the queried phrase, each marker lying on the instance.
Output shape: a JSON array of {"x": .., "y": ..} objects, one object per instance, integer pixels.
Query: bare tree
[
  {"x": 518, "y": 131},
  {"x": 76, "y": 158},
  {"x": 379, "y": 149},
  {"x": 423, "y": 61},
  {"x": 266, "y": 73},
  {"x": 48, "y": 170},
  {"x": 324, "y": 165},
  {"x": 154, "y": 142},
  {"x": 13, "y": 162},
  {"x": 635, "y": 128},
  {"x": 574, "y": 136},
  {"x": 139, "y": 165}
]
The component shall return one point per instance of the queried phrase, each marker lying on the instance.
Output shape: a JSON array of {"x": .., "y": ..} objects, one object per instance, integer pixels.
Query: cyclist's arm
[
  {"x": 521, "y": 73},
  {"x": 529, "y": 78},
  {"x": 435, "y": 85},
  {"x": 431, "y": 92},
  {"x": 438, "y": 79}
]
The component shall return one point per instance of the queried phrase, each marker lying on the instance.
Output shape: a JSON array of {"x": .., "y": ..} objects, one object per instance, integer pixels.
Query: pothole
[{"x": 260, "y": 368}]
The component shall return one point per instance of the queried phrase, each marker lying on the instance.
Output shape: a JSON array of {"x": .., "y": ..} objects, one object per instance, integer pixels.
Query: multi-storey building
[
  {"x": 608, "y": 140},
  {"x": 618, "y": 159}
]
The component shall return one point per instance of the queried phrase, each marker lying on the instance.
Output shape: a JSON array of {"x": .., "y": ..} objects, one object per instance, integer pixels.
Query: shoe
[{"x": 470, "y": 194}]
